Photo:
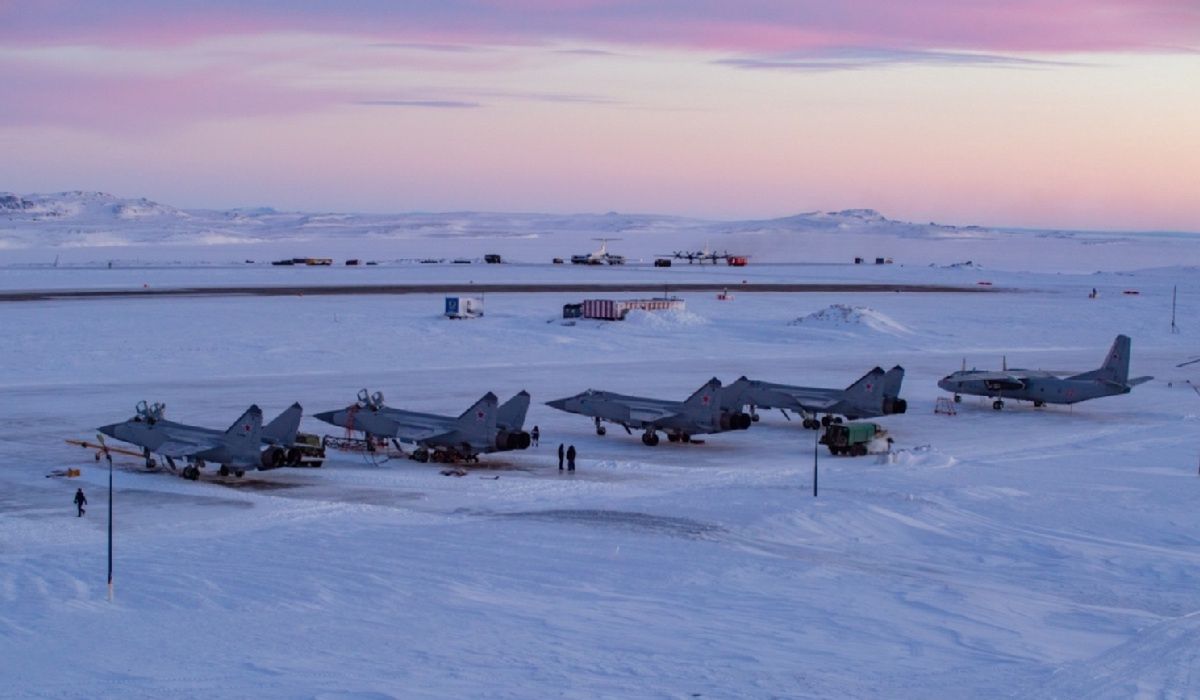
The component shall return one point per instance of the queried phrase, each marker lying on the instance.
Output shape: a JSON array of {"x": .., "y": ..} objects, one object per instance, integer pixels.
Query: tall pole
[
  {"x": 1174, "y": 292},
  {"x": 108, "y": 456},
  {"x": 110, "y": 521},
  {"x": 816, "y": 449}
]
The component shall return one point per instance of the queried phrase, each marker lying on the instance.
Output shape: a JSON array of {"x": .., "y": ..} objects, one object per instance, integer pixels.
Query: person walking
[
  {"x": 560, "y": 456},
  {"x": 80, "y": 502},
  {"x": 535, "y": 434},
  {"x": 571, "y": 458}
]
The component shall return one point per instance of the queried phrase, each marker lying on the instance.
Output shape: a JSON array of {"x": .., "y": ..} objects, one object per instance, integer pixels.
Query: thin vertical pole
[
  {"x": 110, "y": 524},
  {"x": 1174, "y": 292},
  {"x": 816, "y": 449}
]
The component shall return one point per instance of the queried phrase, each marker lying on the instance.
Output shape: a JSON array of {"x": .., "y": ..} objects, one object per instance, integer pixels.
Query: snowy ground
[{"x": 1027, "y": 553}]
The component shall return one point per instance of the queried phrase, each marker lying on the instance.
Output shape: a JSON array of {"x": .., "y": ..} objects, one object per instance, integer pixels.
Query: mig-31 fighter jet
[
  {"x": 876, "y": 393},
  {"x": 484, "y": 427},
  {"x": 710, "y": 409},
  {"x": 1043, "y": 387},
  {"x": 236, "y": 449}
]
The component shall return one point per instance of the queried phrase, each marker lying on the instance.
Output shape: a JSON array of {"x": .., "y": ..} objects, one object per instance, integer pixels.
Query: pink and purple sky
[{"x": 1050, "y": 113}]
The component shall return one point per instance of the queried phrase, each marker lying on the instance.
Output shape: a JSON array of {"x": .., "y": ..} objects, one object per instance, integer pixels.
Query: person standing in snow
[
  {"x": 571, "y": 458},
  {"x": 560, "y": 456},
  {"x": 535, "y": 434},
  {"x": 80, "y": 502}
]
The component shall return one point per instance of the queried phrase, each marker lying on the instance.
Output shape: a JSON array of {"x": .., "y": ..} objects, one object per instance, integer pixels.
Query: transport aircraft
[{"x": 1043, "y": 387}]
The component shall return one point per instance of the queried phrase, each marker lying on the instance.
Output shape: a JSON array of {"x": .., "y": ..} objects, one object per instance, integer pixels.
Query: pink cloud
[
  {"x": 124, "y": 104},
  {"x": 762, "y": 26}
]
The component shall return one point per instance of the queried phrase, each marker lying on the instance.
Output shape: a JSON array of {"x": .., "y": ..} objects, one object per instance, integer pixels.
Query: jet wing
[
  {"x": 178, "y": 447},
  {"x": 420, "y": 427},
  {"x": 649, "y": 414}
]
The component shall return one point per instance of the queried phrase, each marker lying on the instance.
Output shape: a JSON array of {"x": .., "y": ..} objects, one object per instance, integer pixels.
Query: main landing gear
[
  {"x": 600, "y": 429},
  {"x": 225, "y": 470},
  {"x": 650, "y": 438},
  {"x": 958, "y": 398},
  {"x": 997, "y": 405}
]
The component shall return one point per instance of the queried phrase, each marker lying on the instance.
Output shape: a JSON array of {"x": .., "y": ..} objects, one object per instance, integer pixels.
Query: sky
[{"x": 1039, "y": 113}]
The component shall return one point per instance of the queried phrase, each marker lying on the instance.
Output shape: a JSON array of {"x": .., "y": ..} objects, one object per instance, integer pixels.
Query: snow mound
[
  {"x": 919, "y": 457},
  {"x": 664, "y": 319},
  {"x": 843, "y": 316}
]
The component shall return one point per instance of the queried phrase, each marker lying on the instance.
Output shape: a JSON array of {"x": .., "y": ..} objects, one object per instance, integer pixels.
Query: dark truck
[
  {"x": 306, "y": 451},
  {"x": 851, "y": 439}
]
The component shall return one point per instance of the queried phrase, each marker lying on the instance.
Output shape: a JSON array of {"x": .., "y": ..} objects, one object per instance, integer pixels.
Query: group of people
[{"x": 568, "y": 452}]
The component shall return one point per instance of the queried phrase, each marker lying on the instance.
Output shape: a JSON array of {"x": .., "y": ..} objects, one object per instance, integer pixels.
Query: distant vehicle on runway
[
  {"x": 876, "y": 393},
  {"x": 236, "y": 449},
  {"x": 708, "y": 410},
  {"x": 1043, "y": 387},
  {"x": 483, "y": 428}
]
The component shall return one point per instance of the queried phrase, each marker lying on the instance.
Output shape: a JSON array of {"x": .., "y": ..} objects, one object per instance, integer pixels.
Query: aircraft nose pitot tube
[
  {"x": 735, "y": 421},
  {"x": 518, "y": 440}
]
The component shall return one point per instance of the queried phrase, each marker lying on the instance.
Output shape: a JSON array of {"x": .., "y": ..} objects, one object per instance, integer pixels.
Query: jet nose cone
[
  {"x": 560, "y": 404},
  {"x": 109, "y": 430},
  {"x": 329, "y": 417}
]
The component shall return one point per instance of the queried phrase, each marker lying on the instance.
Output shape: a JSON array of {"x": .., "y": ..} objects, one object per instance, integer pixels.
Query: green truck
[{"x": 851, "y": 439}]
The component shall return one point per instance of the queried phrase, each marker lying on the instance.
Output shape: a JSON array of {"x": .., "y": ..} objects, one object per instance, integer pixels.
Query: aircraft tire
[
  {"x": 223, "y": 471},
  {"x": 601, "y": 430},
  {"x": 650, "y": 439},
  {"x": 997, "y": 405},
  {"x": 239, "y": 473},
  {"x": 755, "y": 417},
  {"x": 826, "y": 420},
  {"x": 1039, "y": 404},
  {"x": 672, "y": 437},
  {"x": 685, "y": 438},
  {"x": 958, "y": 398}
]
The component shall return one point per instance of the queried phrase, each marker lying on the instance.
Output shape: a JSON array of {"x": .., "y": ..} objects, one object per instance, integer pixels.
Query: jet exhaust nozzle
[
  {"x": 736, "y": 421},
  {"x": 897, "y": 405},
  {"x": 518, "y": 440},
  {"x": 273, "y": 457}
]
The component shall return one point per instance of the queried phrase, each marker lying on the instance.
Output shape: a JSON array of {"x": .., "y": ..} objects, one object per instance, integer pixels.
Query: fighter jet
[
  {"x": 484, "y": 427},
  {"x": 877, "y": 393},
  {"x": 709, "y": 410},
  {"x": 236, "y": 449},
  {"x": 1042, "y": 387}
]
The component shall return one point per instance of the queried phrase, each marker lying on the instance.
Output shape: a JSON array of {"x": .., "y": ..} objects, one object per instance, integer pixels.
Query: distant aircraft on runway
[
  {"x": 236, "y": 449},
  {"x": 709, "y": 410},
  {"x": 1042, "y": 387},
  {"x": 483, "y": 428},
  {"x": 706, "y": 255},
  {"x": 600, "y": 256},
  {"x": 877, "y": 393}
]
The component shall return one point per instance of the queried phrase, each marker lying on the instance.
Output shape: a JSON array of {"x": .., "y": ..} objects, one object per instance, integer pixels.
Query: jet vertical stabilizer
[
  {"x": 1116, "y": 364},
  {"x": 865, "y": 396},
  {"x": 282, "y": 430}
]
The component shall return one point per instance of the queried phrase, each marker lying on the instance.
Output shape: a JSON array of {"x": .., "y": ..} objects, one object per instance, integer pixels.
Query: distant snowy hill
[{"x": 81, "y": 221}]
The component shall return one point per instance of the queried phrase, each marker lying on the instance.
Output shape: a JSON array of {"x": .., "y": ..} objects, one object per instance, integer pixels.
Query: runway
[{"x": 497, "y": 288}]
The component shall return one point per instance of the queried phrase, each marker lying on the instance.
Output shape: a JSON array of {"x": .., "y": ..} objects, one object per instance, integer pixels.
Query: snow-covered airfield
[{"x": 1026, "y": 553}]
